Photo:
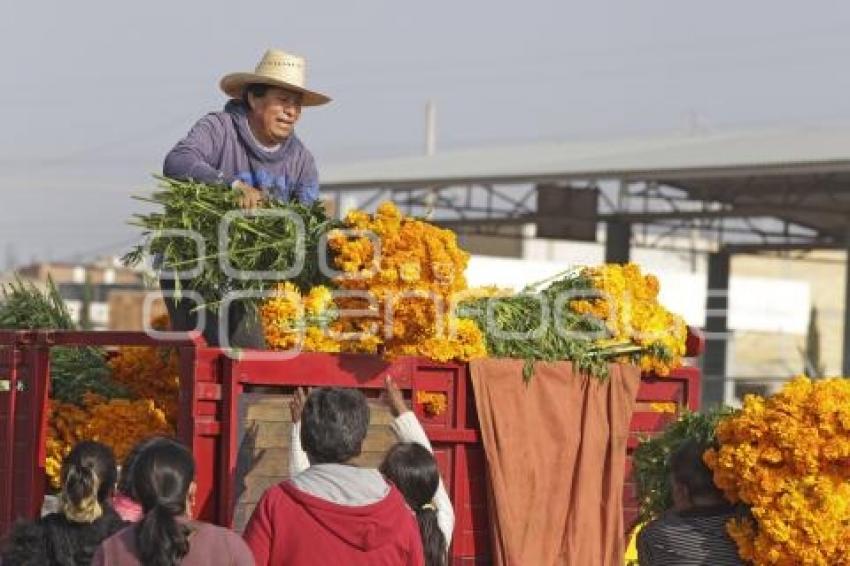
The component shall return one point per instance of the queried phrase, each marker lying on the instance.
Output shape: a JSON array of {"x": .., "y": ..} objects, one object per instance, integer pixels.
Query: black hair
[
  {"x": 125, "y": 476},
  {"x": 162, "y": 474},
  {"x": 334, "y": 423},
  {"x": 413, "y": 470},
  {"x": 689, "y": 469},
  {"x": 88, "y": 476},
  {"x": 259, "y": 90},
  {"x": 71, "y": 536}
]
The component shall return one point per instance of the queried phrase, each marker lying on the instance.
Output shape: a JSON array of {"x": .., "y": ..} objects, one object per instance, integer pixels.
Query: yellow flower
[
  {"x": 118, "y": 423},
  {"x": 150, "y": 373},
  {"x": 318, "y": 300},
  {"x": 626, "y": 301},
  {"x": 409, "y": 272},
  {"x": 419, "y": 270},
  {"x": 435, "y": 404},
  {"x": 664, "y": 407},
  {"x": 785, "y": 458},
  {"x": 318, "y": 340}
]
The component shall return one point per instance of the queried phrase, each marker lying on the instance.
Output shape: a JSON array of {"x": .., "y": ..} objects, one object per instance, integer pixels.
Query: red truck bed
[{"x": 210, "y": 422}]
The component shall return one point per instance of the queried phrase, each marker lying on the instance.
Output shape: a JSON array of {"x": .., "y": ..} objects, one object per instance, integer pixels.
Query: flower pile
[
  {"x": 627, "y": 301},
  {"x": 401, "y": 291},
  {"x": 398, "y": 277},
  {"x": 292, "y": 321},
  {"x": 118, "y": 423},
  {"x": 412, "y": 278},
  {"x": 151, "y": 376},
  {"x": 592, "y": 316},
  {"x": 788, "y": 458},
  {"x": 150, "y": 373}
]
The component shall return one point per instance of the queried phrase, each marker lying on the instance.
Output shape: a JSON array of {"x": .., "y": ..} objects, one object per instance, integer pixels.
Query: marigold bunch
[
  {"x": 434, "y": 403},
  {"x": 788, "y": 458},
  {"x": 627, "y": 301},
  {"x": 291, "y": 320},
  {"x": 150, "y": 373},
  {"x": 592, "y": 316},
  {"x": 118, "y": 423},
  {"x": 406, "y": 287}
]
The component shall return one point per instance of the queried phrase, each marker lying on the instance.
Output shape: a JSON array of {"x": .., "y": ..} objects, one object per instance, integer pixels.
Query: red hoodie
[{"x": 291, "y": 527}]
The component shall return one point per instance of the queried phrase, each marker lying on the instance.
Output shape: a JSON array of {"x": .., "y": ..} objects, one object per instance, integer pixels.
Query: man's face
[{"x": 276, "y": 113}]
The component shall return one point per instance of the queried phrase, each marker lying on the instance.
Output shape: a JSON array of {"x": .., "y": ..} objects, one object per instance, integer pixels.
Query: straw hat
[{"x": 277, "y": 68}]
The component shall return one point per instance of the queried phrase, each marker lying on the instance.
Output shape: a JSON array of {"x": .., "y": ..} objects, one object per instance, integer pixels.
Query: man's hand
[
  {"x": 296, "y": 405},
  {"x": 250, "y": 197},
  {"x": 394, "y": 399}
]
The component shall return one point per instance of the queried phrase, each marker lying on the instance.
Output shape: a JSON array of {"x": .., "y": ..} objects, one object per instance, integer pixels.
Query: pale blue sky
[{"x": 95, "y": 92}]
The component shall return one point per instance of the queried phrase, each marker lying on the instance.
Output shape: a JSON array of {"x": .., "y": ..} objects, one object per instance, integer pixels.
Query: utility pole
[
  {"x": 430, "y": 128},
  {"x": 430, "y": 150}
]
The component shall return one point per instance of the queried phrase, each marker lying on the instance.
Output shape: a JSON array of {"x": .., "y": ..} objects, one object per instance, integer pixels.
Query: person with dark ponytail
[
  {"x": 411, "y": 466},
  {"x": 71, "y": 536},
  {"x": 163, "y": 479},
  {"x": 413, "y": 470}
]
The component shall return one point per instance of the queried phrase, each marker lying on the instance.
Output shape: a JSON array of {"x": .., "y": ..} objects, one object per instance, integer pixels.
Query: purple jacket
[{"x": 221, "y": 149}]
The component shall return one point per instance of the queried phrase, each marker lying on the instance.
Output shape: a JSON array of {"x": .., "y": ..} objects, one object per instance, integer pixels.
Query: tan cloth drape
[{"x": 556, "y": 451}]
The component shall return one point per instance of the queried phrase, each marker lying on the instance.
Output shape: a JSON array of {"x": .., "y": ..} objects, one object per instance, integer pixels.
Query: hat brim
[{"x": 234, "y": 85}]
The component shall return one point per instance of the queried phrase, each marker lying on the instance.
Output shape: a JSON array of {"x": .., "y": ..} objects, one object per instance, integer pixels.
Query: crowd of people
[{"x": 329, "y": 511}]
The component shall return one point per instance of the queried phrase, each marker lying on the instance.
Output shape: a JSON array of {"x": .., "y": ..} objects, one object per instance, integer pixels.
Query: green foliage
[
  {"x": 25, "y": 307},
  {"x": 651, "y": 458},
  {"x": 516, "y": 328},
  {"x": 253, "y": 243},
  {"x": 73, "y": 371}
]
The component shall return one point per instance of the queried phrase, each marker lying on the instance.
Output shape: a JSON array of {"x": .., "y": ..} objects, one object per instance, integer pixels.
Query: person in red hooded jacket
[{"x": 334, "y": 513}]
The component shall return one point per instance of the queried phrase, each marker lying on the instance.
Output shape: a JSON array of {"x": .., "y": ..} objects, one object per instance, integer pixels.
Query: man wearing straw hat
[{"x": 251, "y": 145}]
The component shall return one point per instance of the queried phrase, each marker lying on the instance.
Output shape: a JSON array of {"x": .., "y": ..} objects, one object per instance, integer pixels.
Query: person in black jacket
[
  {"x": 693, "y": 532},
  {"x": 71, "y": 536}
]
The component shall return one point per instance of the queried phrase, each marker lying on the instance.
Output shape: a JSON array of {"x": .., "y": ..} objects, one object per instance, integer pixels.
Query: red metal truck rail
[{"x": 210, "y": 387}]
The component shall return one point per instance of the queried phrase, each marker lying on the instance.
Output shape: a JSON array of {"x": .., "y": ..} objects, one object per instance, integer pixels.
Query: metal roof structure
[
  {"x": 776, "y": 191},
  {"x": 745, "y": 191}
]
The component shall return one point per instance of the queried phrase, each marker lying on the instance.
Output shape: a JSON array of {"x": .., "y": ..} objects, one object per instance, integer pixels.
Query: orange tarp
[{"x": 556, "y": 450}]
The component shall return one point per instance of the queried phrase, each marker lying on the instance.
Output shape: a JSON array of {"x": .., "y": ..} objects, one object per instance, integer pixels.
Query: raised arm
[
  {"x": 408, "y": 429},
  {"x": 298, "y": 461}
]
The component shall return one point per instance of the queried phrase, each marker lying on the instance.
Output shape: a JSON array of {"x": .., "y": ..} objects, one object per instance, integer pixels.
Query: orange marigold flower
[{"x": 783, "y": 457}]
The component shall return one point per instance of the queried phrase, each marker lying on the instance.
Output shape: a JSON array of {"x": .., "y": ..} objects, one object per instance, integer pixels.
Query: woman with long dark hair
[
  {"x": 71, "y": 536},
  {"x": 163, "y": 480},
  {"x": 413, "y": 470}
]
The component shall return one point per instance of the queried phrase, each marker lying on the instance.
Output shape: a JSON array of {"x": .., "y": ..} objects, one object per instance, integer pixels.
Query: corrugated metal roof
[{"x": 652, "y": 158}]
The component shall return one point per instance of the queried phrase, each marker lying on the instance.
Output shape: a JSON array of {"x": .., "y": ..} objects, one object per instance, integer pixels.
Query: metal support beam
[
  {"x": 715, "y": 376},
  {"x": 618, "y": 239}
]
